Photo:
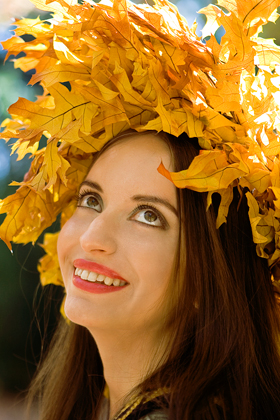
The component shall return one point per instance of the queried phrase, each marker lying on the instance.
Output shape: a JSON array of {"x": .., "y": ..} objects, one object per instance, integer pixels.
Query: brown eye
[
  {"x": 89, "y": 201},
  {"x": 150, "y": 216}
]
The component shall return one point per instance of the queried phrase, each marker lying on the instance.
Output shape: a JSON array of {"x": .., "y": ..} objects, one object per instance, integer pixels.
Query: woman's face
[{"x": 125, "y": 230}]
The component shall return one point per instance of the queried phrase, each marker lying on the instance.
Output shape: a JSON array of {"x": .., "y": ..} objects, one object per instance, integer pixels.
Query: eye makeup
[{"x": 89, "y": 192}]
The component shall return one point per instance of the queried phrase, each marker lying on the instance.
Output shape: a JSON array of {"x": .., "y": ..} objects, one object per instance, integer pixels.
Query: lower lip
[{"x": 94, "y": 287}]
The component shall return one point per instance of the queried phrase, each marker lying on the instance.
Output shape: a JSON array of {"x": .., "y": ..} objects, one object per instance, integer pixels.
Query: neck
[{"x": 126, "y": 359}]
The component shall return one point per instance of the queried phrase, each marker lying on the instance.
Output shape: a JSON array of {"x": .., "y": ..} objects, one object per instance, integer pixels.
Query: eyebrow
[
  {"x": 91, "y": 184},
  {"x": 147, "y": 198}
]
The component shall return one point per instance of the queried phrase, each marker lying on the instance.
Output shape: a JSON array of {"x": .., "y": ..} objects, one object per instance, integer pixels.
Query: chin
[
  {"x": 79, "y": 311},
  {"x": 83, "y": 312}
]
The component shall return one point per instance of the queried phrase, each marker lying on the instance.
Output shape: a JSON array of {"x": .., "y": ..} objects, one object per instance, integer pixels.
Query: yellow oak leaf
[
  {"x": 121, "y": 81},
  {"x": 66, "y": 56},
  {"x": 226, "y": 199},
  {"x": 106, "y": 93},
  {"x": 14, "y": 45},
  {"x": 132, "y": 66},
  {"x": 176, "y": 121},
  {"x": 118, "y": 20},
  {"x": 275, "y": 174},
  {"x": 59, "y": 6},
  {"x": 51, "y": 120},
  {"x": 255, "y": 219},
  {"x": 50, "y": 72},
  {"x": 48, "y": 266},
  {"x": 28, "y": 214},
  {"x": 26, "y": 63},
  {"x": 250, "y": 10},
  {"x": 268, "y": 53},
  {"x": 54, "y": 164},
  {"x": 212, "y": 14},
  {"x": 259, "y": 179},
  {"x": 160, "y": 84},
  {"x": 275, "y": 188},
  {"x": 170, "y": 54},
  {"x": 34, "y": 27},
  {"x": 25, "y": 148},
  {"x": 210, "y": 171},
  {"x": 211, "y": 118},
  {"x": 224, "y": 97}
]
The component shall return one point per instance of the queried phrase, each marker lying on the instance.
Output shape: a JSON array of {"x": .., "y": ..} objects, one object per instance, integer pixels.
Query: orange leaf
[
  {"x": 250, "y": 10},
  {"x": 48, "y": 266},
  {"x": 210, "y": 171},
  {"x": 50, "y": 72},
  {"x": 28, "y": 214}
]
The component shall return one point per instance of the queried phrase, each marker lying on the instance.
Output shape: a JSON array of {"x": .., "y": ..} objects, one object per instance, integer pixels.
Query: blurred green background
[{"x": 21, "y": 331}]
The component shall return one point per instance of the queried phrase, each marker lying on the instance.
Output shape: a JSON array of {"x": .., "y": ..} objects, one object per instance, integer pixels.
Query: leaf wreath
[{"x": 142, "y": 67}]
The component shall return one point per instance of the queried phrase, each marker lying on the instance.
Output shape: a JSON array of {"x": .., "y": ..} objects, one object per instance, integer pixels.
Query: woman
[
  {"x": 172, "y": 312},
  {"x": 133, "y": 255}
]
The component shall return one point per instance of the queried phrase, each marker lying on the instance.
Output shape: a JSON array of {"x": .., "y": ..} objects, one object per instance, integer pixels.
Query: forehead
[{"x": 132, "y": 164}]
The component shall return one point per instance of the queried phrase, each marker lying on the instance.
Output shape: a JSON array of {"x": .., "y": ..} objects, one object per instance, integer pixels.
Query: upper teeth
[{"x": 94, "y": 277}]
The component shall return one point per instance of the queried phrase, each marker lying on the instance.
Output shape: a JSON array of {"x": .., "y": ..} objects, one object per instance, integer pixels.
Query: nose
[{"x": 100, "y": 235}]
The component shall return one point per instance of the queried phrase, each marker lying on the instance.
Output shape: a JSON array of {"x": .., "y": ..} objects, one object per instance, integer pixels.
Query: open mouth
[{"x": 93, "y": 277}]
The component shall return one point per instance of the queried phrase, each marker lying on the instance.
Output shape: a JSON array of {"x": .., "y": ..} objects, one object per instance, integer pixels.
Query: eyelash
[{"x": 148, "y": 206}]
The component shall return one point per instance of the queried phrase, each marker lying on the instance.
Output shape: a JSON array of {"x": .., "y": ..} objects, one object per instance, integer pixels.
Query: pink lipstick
[
  {"x": 96, "y": 287},
  {"x": 97, "y": 268}
]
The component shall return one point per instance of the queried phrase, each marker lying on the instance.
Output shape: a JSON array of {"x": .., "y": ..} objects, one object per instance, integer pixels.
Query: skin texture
[{"x": 107, "y": 228}]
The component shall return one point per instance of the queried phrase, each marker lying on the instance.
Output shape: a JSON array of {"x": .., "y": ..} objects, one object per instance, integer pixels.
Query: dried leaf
[
  {"x": 141, "y": 67},
  {"x": 48, "y": 266},
  {"x": 226, "y": 199},
  {"x": 210, "y": 171},
  {"x": 255, "y": 218},
  {"x": 250, "y": 10}
]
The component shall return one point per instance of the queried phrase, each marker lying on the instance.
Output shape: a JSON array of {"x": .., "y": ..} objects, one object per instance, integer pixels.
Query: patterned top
[{"x": 153, "y": 415}]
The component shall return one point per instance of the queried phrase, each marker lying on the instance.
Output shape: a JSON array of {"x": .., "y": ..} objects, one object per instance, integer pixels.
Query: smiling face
[{"x": 124, "y": 232}]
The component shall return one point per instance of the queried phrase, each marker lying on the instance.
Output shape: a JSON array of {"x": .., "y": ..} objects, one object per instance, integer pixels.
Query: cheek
[
  {"x": 68, "y": 239},
  {"x": 152, "y": 263},
  {"x": 161, "y": 262},
  {"x": 152, "y": 258},
  {"x": 62, "y": 242}
]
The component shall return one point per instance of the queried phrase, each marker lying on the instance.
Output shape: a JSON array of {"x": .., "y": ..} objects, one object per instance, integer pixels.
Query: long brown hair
[{"x": 223, "y": 359}]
